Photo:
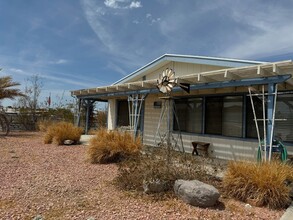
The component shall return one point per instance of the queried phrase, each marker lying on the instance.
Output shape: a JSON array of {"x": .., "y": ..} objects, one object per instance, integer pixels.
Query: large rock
[{"x": 196, "y": 193}]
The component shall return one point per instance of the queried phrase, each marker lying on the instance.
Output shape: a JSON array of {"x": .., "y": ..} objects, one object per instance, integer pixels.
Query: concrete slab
[{"x": 84, "y": 139}]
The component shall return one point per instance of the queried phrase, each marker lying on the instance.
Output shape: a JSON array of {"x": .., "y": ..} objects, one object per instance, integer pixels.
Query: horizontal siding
[
  {"x": 221, "y": 147},
  {"x": 182, "y": 69}
]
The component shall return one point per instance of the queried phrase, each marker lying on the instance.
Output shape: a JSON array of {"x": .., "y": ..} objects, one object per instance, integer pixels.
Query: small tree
[{"x": 30, "y": 102}]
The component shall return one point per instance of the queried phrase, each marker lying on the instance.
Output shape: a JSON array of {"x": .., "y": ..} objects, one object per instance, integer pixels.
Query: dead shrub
[
  {"x": 112, "y": 146},
  {"x": 61, "y": 131},
  {"x": 43, "y": 125},
  {"x": 261, "y": 184},
  {"x": 135, "y": 170}
]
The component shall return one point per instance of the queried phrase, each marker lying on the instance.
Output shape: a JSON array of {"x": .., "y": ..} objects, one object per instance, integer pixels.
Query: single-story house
[{"x": 218, "y": 108}]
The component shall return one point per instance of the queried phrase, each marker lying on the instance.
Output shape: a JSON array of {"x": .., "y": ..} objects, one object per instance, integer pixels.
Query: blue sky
[{"x": 75, "y": 44}]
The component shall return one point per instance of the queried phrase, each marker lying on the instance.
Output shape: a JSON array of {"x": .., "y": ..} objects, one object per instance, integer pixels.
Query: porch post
[
  {"x": 77, "y": 122},
  {"x": 270, "y": 115},
  {"x": 89, "y": 105}
]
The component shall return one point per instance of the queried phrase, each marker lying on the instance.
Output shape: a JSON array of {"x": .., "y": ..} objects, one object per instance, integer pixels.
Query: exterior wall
[
  {"x": 221, "y": 147},
  {"x": 112, "y": 114},
  {"x": 151, "y": 119},
  {"x": 179, "y": 68},
  {"x": 182, "y": 69}
]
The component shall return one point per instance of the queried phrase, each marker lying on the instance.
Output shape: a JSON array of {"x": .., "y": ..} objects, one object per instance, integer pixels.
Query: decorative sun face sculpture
[{"x": 166, "y": 81}]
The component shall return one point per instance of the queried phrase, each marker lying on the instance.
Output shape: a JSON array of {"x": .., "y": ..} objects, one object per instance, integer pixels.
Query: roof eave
[{"x": 225, "y": 62}]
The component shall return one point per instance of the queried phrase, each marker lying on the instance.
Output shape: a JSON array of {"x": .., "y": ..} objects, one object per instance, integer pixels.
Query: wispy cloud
[
  {"x": 122, "y": 4},
  {"x": 57, "y": 77},
  {"x": 151, "y": 19},
  {"x": 116, "y": 68},
  {"x": 268, "y": 35},
  {"x": 60, "y": 61}
]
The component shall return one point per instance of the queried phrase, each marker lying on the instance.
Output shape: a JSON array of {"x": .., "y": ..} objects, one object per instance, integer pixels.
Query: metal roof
[{"x": 260, "y": 70}]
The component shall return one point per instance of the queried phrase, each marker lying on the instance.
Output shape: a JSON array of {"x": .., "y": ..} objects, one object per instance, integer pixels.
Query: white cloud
[
  {"x": 61, "y": 61},
  {"x": 151, "y": 19},
  {"x": 122, "y": 4},
  {"x": 116, "y": 68},
  {"x": 135, "y": 5},
  {"x": 111, "y": 3},
  {"x": 16, "y": 70}
]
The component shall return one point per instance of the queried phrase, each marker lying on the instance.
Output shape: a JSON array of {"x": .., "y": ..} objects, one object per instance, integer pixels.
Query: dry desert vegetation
[{"x": 39, "y": 181}]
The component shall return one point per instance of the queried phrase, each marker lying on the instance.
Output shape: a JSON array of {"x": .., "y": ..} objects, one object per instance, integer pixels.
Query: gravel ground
[{"x": 56, "y": 182}]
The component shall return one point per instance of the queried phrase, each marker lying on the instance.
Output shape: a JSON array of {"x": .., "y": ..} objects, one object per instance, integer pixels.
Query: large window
[
  {"x": 189, "y": 112},
  {"x": 122, "y": 114},
  {"x": 232, "y": 116},
  {"x": 250, "y": 123},
  {"x": 284, "y": 111},
  {"x": 224, "y": 116}
]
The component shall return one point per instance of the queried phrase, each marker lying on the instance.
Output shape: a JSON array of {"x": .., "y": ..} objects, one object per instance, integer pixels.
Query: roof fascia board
[
  {"x": 225, "y": 62},
  {"x": 212, "y": 85}
]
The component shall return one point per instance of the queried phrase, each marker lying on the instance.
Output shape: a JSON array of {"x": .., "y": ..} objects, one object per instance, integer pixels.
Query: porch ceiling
[{"x": 223, "y": 75}]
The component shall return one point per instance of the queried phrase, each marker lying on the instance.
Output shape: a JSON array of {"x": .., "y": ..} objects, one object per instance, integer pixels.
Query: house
[{"x": 218, "y": 108}]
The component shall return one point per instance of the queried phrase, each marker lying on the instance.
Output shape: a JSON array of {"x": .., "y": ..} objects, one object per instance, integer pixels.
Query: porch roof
[{"x": 229, "y": 75}]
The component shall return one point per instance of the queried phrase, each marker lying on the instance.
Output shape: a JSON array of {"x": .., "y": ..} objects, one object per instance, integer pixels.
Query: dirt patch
[{"x": 57, "y": 182}]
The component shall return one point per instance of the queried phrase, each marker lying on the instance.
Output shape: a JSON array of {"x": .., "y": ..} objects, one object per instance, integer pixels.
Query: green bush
[
  {"x": 263, "y": 184},
  {"x": 61, "y": 131},
  {"x": 112, "y": 146}
]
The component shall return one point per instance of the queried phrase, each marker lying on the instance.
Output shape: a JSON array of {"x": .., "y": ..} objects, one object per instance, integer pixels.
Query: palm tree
[{"x": 5, "y": 88}]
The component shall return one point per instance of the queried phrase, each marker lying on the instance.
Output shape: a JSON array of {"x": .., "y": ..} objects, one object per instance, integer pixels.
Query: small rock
[
  {"x": 248, "y": 206},
  {"x": 154, "y": 186},
  {"x": 220, "y": 175},
  {"x": 38, "y": 217},
  {"x": 68, "y": 142}
]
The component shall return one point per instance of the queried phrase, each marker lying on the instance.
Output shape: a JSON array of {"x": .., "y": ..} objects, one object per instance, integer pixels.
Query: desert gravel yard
[{"x": 56, "y": 182}]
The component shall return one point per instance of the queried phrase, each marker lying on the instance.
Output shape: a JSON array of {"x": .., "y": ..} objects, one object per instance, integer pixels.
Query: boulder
[
  {"x": 196, "y": 193},
  {"x": 68, "y": 142}
]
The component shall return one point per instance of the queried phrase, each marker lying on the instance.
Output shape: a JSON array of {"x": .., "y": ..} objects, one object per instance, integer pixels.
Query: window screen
[
  {"x": 224, "y": 116},
  {"x": 189, "y": 112},
  {"x": 284, "y": 110}
]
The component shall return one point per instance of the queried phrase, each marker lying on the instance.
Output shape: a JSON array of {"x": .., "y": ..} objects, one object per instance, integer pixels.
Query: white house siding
[
  {"x": 179, "y": 68},
  {"x": 182, "y": 69},
  {"x": 151, "y": 119},
  {"x": 221, "y": 147}
]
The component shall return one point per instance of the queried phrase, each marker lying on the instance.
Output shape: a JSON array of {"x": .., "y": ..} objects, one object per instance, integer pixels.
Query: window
[
  {"x": 224, "y": 116},
  {"x": 122, "y": 114},
  {"x": 213, "y": 116},
  {"x": 232, "y": 116},
  {"x": 189, "y": 112},
  {"x": 284, "y": 110}
]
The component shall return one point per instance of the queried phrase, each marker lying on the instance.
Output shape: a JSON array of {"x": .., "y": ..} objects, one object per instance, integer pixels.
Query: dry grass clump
[
  {"x": 43, "y": 125},
  {"x": 261, "y": 184},
  {"x": 112, "y": 146},
  {"x": 132, "y": 173},
  {"x": 61, "y": 131}
]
